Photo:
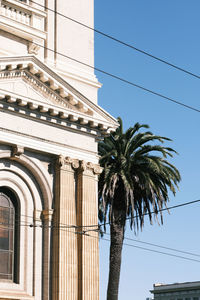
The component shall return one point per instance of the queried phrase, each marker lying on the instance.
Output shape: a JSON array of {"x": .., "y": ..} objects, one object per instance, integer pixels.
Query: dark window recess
[{"x": 7, "y": 235}]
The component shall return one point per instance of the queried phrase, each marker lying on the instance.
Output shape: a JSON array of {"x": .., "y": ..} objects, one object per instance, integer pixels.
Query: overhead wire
[
  {"x": 158, "y": 246},
  {"x": 82, "y": 231},
  {"x": 168, "y": 208},
  {"x": 119, "y": 41},
  {"x": 129, "y": 245},
  {"x": 108, "y": 223},
  {"x": 122, "y": 79},
  {"x": 159, "y": 252},
  {"x": 160, "y": 210}
]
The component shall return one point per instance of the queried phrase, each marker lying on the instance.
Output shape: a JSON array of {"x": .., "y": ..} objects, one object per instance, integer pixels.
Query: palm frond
[{"x": 137, "y": 176}]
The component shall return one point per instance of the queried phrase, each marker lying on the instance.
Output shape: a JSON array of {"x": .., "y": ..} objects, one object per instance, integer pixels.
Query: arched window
[{"x": 8, "y": 235}]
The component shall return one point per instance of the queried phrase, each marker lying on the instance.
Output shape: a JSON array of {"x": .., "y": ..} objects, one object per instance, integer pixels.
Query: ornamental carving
[
  {"x": 17, "y": 151},
  {"x": 67, "y": 163},
  {"x": 88, "y": 167},
  {"x": 73, "y": 162},
  {"x": 44, "y": 84},
  {"x": 33, "y": 48}
]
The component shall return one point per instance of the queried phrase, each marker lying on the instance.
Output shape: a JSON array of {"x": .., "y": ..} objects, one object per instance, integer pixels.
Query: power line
[
  {"x": 118, "y": 78},
  {"x": 161, "y": 210},
  {"x": 159, "y": 246},
  {"x": 151, "y": 250},
  {"x": 122, "y": 79},
  {"x": 143, "y": 248},
  {"x": 65, "y": 227},
  {"x": 62, "y": 225},
  {"x": 168, "y": 208},
  {"x": 155, "y": 251},
  {"x": 126, "y": 244},
  {"x": 85, "y": 232},
  {"x": 120, "y": 41}
]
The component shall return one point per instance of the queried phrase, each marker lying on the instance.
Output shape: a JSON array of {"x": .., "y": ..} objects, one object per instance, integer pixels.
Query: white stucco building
[{"x": 50, "y": 125}]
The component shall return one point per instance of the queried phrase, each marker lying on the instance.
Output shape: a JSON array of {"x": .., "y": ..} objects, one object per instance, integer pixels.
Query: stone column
[
  {"x": 65, "y": 277},
  {"x": 88, "y": 245}
]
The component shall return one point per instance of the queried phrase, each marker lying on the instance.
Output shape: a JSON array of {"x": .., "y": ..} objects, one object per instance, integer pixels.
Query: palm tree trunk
[{"x": 117, "y": 237}]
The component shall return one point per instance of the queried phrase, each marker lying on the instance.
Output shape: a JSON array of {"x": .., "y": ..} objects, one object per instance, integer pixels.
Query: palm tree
[{"x": 135, "y": 182}]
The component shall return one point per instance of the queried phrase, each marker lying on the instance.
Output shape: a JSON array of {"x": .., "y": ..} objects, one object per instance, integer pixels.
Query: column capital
[
  {"x": 67, "y": 163},
  {"x": 90, "y": 168},
  {"x": 47, "y": 214}
]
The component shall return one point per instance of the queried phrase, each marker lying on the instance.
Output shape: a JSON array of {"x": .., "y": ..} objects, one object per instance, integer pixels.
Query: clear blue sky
[{"x": 171, "y": 30}]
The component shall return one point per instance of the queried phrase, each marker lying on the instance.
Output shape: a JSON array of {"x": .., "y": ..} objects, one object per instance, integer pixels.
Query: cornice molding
[
  {"x": 57, "y": 84},
  {"x": 50, "y": 114}
]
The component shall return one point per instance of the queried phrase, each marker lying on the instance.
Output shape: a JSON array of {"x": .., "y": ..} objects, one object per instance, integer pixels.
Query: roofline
[{"x": 184, "y": 286}]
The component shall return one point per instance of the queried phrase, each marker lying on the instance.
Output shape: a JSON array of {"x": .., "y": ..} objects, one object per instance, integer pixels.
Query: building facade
[
  {"x": 50, "y": 124},
  {"x": 177, "y": 291}
]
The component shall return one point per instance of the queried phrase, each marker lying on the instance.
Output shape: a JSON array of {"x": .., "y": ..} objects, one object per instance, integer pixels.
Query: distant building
[{"x": 177, "y": 291}]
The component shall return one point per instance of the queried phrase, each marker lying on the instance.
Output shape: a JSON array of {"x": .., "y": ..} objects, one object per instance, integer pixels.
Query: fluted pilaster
[
  {"x": 65, "y": 265},
  {"x": 88, "y": 246}
]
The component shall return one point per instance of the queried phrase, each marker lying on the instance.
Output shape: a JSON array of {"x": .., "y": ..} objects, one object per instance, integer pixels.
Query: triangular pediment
[
  {"x": 30, "y": 80},
  {"x": 19, "y": 86},
  {"x": 31, "y": 88}
]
